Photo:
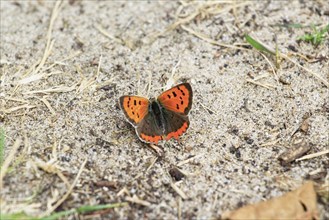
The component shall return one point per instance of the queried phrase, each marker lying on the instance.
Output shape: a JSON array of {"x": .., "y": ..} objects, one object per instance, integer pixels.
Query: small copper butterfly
[{"x": 162, "y": 118}]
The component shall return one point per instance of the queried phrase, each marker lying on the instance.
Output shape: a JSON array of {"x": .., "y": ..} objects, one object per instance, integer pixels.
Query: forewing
[
  {"x": 148, "y": 131},
  {"x": 177, "y": 99},
  {"x": 134, "y": 107}
]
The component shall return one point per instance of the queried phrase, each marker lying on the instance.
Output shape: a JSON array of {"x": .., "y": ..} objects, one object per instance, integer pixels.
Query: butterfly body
[{"x": 162, "y": 118}]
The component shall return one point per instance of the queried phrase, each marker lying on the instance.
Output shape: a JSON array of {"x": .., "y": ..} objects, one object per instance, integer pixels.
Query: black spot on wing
[{"x": 181, "y": 91}]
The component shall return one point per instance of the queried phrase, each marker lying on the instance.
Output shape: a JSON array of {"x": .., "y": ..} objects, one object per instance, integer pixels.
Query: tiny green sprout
[{"x": 316, "y": 37}]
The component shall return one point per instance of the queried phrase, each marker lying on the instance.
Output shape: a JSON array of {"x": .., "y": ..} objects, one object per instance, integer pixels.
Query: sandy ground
[{"x": 63, "y": 70}]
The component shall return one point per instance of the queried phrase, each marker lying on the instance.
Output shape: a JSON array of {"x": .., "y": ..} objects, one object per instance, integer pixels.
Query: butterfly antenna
[
  {"x": 171, "y": 81},
  {"x": 149, "y": 84},
  {"x": 138, "y": 84}
]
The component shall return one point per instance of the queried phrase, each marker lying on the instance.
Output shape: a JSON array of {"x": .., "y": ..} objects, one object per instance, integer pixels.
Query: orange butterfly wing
[
  {"x": 177, "y": 103},
  {"x": 134, "y": 107},
  {"x": 177, "y": 99}
]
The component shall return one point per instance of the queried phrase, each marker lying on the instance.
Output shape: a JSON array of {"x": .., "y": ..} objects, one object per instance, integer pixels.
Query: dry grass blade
[
  {"x": 46, "y": 102},
  {"x": 16, "y": 99},
  {"x": 33, "y": 78},
  {"x": 263, "y": 47},
  {"x": 178, "y": 191},
  {"x": 272, "y": 67},
  {"x": 267, "y": 86},
  {"x": 209, "y": 110},
  {"x": 59, "y": 202},
  {"x": 50, "y": 43},
  {"x": 136, "y": 200},
  {"x": 325, "y": 82},
  {"x": 57, "y": 89},
  {"x": 2, "y": 145},
  {"x": 270, "y": 143},
  {"x": 8, "y": 160},
  {"x": 106, "y": 34},
  {"x": 179, "y": 209},
  {"x": 209, "y": 40},
  {"x": 310, "y": 156},
  {"x": 61, "y": 62},
  {"x": 52, "y": 167},
  {"x": 189, "y": 160},
  {"x": 16, "y": 108},
  {"x": 106, "y": 83},
  {"x": 152, "y": 164},
  {"x": 206, "y": 9}
]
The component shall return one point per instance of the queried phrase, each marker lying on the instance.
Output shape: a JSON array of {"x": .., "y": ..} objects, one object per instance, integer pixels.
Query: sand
[{"x": 64, "y": 66}]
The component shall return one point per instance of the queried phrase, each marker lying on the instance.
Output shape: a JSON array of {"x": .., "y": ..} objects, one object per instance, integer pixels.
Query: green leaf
[
  {"x": 16, "y": 216},
  {"x": 83, "y": 209},
  {"x": 293, "y": 25},
  {"x": 257, "y": 45},
  {"x": 58, "y": 215},
  {"x": 88, "y": 208},
  {"x": 62, "y": 214}
]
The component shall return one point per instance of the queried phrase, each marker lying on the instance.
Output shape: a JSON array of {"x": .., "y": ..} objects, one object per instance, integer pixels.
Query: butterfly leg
[{"x": 159, "y": 151}]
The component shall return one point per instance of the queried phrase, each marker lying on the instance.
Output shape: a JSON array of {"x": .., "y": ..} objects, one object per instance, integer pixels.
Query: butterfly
[{"x": 162, "y": 118}]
